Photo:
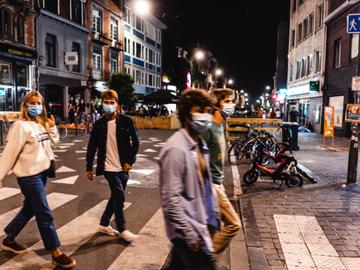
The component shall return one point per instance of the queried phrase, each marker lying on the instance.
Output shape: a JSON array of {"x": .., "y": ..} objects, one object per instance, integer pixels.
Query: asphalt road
[{"x": 77, "y": 205}]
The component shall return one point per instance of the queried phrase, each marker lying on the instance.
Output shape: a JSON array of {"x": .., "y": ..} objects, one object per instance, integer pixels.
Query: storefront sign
[
  {"x": 352, "y": 113},
  {"x": 315, "y": 86},
  {"x": 18, "y": 51},
  {"x": 338, "y": 104},
  {"x": 71, "y": 58},
  {"x": 329, "y": 122}
]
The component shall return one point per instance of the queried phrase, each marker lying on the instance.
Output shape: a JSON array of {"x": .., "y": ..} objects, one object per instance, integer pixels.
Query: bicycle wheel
[
  {"x": 62, "y": 131},
  {"x": 234, "y": 154},
  {"x": 294, "y": 180},
  {"x": 251, "y": 176}
]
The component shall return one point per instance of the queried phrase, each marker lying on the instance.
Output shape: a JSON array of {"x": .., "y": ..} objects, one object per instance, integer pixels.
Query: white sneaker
[
  {"x": 108, "y": 230},
  {"x": 127, "y": 236}
]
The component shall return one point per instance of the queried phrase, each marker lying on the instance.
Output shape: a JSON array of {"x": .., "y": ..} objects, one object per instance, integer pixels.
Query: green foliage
[{"x": 123, "y": 84}]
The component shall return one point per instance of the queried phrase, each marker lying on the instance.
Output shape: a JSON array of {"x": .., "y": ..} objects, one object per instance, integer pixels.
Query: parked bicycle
[
  {"x": 247, "y": 144},
  {"x": 85, "y": 124}
]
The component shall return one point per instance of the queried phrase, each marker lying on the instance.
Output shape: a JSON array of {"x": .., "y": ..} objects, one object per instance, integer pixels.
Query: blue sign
[
  {"x": 353, "y": 23},
  {"x": 2, "y": 92}
]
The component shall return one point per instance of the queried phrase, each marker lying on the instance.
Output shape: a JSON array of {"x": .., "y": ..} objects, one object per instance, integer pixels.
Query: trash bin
[{"x": 290, "y": 134}]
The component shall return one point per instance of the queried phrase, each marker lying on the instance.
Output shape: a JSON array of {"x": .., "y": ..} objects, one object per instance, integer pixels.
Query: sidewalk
[
  {"x": 329, "y": 165},
  {"x": 306, "y": 228}
]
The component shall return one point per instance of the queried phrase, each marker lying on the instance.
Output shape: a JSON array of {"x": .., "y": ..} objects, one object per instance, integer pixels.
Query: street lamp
[
  {"x": 199, "y": 55},
  {"x": 218, "y": 72},
  {"x": 268, "y": 87},
  {"x": 230, "y": 81},
  {"x": 142, "y": 7}
]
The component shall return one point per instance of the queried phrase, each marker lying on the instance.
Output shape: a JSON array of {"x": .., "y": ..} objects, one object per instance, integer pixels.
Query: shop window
[
  {"x": 6, "y": 24},
  {"x": 51, "y": 5},
  {"x": 21, "y": 75},
  {"x": 50, "y": 47},
  {"x": 76, "y": 14},
  {"x": 76, "y": 48},
  {"x": 5, "y": 73}
]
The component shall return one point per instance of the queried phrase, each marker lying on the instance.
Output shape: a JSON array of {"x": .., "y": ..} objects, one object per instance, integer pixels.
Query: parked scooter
[{"x": 285, "y": 170}]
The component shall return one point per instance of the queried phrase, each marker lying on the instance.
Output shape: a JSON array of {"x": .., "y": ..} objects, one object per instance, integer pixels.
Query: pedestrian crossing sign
[{"x": 353, "y": 23}]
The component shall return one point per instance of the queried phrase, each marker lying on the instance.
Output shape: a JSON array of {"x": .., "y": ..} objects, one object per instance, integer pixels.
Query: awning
[{"x": 161, "y": 97}]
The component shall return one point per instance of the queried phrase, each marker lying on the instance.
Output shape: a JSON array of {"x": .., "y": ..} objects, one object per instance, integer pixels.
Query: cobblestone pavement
[{"x": 336, "y": 210}]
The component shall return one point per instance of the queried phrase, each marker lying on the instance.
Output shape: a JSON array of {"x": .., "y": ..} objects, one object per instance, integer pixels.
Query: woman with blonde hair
[{"x": 28, "y": 153}]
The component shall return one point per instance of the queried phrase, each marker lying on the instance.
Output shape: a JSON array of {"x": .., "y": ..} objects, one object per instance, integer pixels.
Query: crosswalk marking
[
  {"x": 149, "y": 151},
  {"x": 70, "y": 144},
  {"x": 141, "y": 155},
  {"x": 6, "y": 192},
  {"x": 60, "y": 150},
  {"x": 64, "y": 169},
  {"x": 142, "y": 171},
  {"x": 80, "y": 151},
  {"x": 68, "y": 180},
  {"x": 133, "y": 182},
  {"x": 72, "y": 235},
  {"x": 304, "y": 243},
  {"x": 55, "y": 200},
  {"x": 77, "y": 141},
  {"x": 149, "y": 250},
  {"x": 64, "y": 146}
]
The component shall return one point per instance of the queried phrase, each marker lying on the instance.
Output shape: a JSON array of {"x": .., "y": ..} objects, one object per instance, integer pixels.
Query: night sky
[{"x": 241, "y": 34}]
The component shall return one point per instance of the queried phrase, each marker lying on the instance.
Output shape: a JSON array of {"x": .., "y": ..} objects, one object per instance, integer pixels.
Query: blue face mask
[
  {"x": 109, "y": 108},
  {"x": 35, "y": 110}
]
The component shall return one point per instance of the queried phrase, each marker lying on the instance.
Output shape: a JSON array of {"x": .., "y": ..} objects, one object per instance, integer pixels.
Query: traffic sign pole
[{"x": 353, "y": 27}]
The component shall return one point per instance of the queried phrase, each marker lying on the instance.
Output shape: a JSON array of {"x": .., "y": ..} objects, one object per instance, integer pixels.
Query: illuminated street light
[
  {"x": 266, "y": 94},
  {"x": 230, "y": 81},
  {"x": 242, "y": 92},
  {"x": 142, "y": 7},
  {"x": 199, "y": 55},
  {"x": 218, "y": 72},
  {"x": 257, "y": 101},
  {"x": 268, "y": 87},
  {"x": 246, "y": 94}
]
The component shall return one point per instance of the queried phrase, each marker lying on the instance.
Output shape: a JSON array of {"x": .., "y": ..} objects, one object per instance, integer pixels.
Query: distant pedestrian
[
  {"x": 81, "y": 110},
  {"x": 29, "y": 155},
  {"x": 72, "y": 112},
  {"x": 272, "y": 113},
  {"x": 294, "y": 115},
  {"x": 278, "y": 114},
  {"x": 189, "y": 204},
  {"x": 114, "y": 137},
  {"x": 215, "y": 139}
]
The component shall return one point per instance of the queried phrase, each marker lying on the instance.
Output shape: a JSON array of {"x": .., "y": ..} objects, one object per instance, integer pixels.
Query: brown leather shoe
[
  {"x": 12, "y": 246},
  {"x": 63, "y": 261}
]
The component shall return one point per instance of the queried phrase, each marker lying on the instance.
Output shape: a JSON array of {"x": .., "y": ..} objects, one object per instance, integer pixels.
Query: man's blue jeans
[
  {"x": 35, "y": 204},
  {"x": 117, "y": 182}
]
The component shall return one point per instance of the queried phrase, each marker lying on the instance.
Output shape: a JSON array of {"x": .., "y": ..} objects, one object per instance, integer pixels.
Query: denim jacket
[{"x": 182, "y": 199}]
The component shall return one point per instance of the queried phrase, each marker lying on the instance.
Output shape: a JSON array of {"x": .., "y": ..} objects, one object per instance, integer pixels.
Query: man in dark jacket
[{"x": 116, "y": 141}]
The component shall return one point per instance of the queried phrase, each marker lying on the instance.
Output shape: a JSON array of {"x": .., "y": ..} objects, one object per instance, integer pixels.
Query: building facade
[
  {"x": 341, "y": 61},
  {"x": 62, "y": 45},
  {"x": 17, "y": 52},
  {"x": 143, "y": 48},
  {"x": 105, "y": 20},
  {"x": 306, "y": 61}
]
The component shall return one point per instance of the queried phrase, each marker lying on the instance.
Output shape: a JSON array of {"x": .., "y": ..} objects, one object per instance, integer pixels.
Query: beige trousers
[{"x": 230, "y": 220}]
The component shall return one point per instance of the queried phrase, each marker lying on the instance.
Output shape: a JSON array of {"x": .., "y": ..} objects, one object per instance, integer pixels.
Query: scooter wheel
[
  {"x": 250, "y": 177},
  {"x": 294, "y": 180}
]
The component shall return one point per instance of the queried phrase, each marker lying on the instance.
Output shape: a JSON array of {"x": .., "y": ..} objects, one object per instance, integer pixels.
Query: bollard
[{"x": 353, "y": 155}]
